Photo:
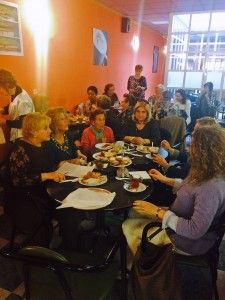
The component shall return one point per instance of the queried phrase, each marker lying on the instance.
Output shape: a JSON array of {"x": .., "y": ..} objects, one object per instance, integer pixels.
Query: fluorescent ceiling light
[{"x": 159, "y": 22}]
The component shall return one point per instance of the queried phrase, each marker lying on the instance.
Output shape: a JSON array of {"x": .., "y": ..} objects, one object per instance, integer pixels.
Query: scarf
[{"x": 99, "y": 133}]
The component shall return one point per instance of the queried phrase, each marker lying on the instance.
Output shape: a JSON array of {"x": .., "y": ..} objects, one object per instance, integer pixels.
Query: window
[{"x": 196, "y": 50}]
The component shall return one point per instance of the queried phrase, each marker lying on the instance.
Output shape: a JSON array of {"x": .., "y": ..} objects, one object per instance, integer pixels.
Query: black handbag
[{"x": 154, "y": 275}]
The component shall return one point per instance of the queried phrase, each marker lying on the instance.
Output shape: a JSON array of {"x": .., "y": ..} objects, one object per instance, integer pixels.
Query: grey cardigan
[{"x": 193, "y": 211}]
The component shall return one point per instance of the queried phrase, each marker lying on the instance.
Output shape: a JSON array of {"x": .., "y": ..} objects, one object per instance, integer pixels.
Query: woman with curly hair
[
  {"x": 199, "y": 203},
  {"x": 61, "y": 144}
]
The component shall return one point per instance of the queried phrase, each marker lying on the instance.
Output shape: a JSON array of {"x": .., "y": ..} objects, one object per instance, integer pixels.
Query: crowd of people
[{"x": 191, "y": 194}]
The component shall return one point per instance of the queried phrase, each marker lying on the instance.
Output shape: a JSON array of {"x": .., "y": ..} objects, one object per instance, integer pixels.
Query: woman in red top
[{"x": 96, "y": 133}]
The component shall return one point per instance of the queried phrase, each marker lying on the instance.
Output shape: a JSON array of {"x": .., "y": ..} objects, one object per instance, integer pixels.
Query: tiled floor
[{"x": 11, "y": 286}]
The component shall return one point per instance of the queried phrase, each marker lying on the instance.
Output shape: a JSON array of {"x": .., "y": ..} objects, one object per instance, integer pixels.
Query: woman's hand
[
  {"x": 148, "y": 209},
  {"x": 55, "y": 176},
  {"x": 104, "y": 140},
  {"x": 160, "y": 160},
  {"x": 166, "y": 145},
  {"x": 81, "y": 155},
  {"x": 75, "y": 161},
  {"x": 157, "y": 176}
]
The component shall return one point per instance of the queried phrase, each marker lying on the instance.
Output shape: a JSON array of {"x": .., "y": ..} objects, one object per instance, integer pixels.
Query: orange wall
[{"x": 70, "y": 68}]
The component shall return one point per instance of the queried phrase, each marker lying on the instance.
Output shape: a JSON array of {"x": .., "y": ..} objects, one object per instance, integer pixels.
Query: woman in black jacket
[{"x": 142, "y": 130}]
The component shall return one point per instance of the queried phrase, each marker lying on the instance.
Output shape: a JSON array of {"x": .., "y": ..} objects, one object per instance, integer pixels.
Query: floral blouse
[{"x": 27, "y": 162}]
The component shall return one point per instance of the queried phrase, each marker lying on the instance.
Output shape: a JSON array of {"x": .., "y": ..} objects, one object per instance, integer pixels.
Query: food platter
[
  {"x": 147, "y": 149},
  {"x": 120, "y": 161},
  {"x": 104, "y": 146},
  {"x": 93, "y": 179},
  {"x": 104, "y": 155},
  {"x": 141, "y": 188}
]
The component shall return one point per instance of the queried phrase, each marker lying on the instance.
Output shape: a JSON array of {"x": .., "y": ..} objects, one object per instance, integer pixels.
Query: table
[{"x": 122, "y": 200}]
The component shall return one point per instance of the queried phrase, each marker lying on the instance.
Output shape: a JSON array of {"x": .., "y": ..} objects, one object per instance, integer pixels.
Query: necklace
[{"x": 63, "y": 147}]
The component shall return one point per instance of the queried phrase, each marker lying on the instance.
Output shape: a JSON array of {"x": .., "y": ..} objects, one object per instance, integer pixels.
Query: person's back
[{"x": 175, "y": 126}]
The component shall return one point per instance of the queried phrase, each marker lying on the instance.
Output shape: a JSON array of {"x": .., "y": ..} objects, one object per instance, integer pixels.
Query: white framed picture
[
  {"x": 10, "y": 29},
  {"x": 100, "y": 47}
]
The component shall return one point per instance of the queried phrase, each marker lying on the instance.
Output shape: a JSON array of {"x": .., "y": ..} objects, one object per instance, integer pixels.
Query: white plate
[
  {"x": 142, "y": 150},
  {"x": 93, "y": 181},
  {"x": 142, "y": 187},
  {"x": 102, "y": 146},
  {"x": 122, "y": 165},
  {"x": 98, "y": 156},
  {"x": 149, "y": 156}
]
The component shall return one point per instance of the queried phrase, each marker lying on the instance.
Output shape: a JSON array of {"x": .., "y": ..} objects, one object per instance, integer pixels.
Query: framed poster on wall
[
  {"x": 100, "y": 47},
  {"x": 10, "y": 29},
  {"x": 155, "y": 59}
]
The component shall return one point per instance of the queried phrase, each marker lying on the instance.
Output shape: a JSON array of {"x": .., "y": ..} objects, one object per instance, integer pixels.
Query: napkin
[
  {"x": 87, "y": 198},
  {"x": 74, "y": 170},
  {"x": 140, "y": 174}
]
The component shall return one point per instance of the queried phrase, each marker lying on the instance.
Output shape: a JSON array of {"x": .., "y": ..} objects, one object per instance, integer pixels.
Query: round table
[{"x": 122, "y": 200}]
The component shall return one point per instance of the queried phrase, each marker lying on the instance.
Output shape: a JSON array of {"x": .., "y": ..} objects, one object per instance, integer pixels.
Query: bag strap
[{"x": 145, "y": 239}]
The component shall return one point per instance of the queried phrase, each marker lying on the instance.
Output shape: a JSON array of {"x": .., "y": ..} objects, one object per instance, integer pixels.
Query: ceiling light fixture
[{"x": 160, "y": 22}]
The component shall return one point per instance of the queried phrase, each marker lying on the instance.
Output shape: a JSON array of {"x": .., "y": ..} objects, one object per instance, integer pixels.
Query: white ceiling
[{"x": 155, "y": 13}]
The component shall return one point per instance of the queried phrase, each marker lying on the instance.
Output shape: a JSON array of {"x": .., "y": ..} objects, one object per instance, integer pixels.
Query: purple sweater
[{"x": 197, "y": 206}]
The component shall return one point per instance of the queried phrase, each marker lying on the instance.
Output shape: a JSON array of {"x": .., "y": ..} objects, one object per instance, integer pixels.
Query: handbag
[{"x": 154, "y": 275}]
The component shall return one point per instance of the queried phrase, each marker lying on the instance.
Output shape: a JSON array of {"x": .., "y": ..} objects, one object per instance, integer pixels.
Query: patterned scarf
[{"x": 98, "y": 133}]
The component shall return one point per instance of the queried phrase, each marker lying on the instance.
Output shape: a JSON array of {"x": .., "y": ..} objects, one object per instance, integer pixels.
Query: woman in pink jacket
[{"x": 97, "y": 132}]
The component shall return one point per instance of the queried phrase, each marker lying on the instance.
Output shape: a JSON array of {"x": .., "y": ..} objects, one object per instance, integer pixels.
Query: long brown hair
[{"x": 207, "y": 154}]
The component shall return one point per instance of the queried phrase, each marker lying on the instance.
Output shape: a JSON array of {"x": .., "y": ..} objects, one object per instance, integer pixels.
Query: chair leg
[
  {"x": 123, "y": 266},
  {"x": 64, "y": 285},
  {"x": 214, "y": 280},
  {"x": 26, "y": 275},
  {"x": 12, "y": 237}
]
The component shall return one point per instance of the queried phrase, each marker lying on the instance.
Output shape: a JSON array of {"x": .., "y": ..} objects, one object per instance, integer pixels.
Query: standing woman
[
  {"x": 183, "y": 105},
  {"x": 137, "y": 84},
  {"x": 20, "y": 105},
  {"x": 142, "y": 130}
]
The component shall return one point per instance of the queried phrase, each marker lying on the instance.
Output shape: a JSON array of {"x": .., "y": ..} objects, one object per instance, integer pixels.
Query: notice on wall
[{"x": 10, "y": 29}]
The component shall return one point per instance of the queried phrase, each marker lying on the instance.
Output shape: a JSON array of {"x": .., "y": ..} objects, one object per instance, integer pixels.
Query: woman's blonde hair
[
  {"x": 33, "y": 122},
  {"x": 54, "y": 113},
  {"x": 147, "y": 109},
  {"x": 207, "y": 154}
]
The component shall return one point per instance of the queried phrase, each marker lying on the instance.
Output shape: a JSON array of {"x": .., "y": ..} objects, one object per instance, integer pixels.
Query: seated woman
[
  {"x": 109, "y": 91},
  {"x": 87, "y": 107},
  {"x": 30, "y": 166},
  {"x": 124, "y": 116},
  {"x": 199, "y": 203},
  {"x": 183, "y": 105},
  {"x": 158, "y": 96},
  {"x": 61, "y": 144},
  {"x": 104, "y": 103},
  {"x": 142, "y": 129},
  {"x": 96, "y": 133},
  {"x": 162, "y": 106}
]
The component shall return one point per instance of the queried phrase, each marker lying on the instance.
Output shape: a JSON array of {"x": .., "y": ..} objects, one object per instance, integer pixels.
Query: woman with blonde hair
[
  {"x": 30, "y": 167},
  {"x": 199, "y": 203},
  {"x": 142, "y": 130},
  {"x": 61, "y": 144}
]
